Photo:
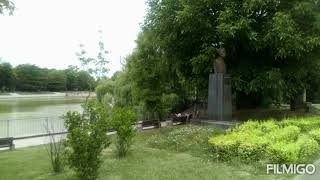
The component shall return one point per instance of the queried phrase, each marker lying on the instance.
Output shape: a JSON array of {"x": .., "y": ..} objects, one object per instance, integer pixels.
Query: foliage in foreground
[
  {"x": 86, "y": 139},
  {"x": 123, "y": 120},
  {"x": 288, "y": 141}
]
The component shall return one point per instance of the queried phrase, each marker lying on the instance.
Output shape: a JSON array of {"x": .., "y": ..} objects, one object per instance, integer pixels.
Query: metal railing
[
  {"x": 31, "y": 127},
  {"x": 43, "y": 126}
]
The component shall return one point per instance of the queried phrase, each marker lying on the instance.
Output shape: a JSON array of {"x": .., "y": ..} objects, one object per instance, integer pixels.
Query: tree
[
  {"x": 105, "y": 89},
  {"x": 30, "y": 78},
  {"x": 72, "y": 75},
  {"x": 151, "y": 77},
  {"x": 96, "y": 67},
  {"x": 57, "y": 81},
  {"x": 6, "y": 6},
  {"x": 85, "y": 81},
  {"x": 6, "y": 77},
  {"x": 270, "y": 45}
]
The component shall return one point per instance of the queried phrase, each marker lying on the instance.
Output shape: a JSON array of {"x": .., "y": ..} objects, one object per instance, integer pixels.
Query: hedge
[{"x": 289, "y": 141}]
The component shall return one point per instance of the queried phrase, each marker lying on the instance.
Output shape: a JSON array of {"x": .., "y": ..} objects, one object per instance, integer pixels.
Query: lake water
[{"x": 29, "y": 116}]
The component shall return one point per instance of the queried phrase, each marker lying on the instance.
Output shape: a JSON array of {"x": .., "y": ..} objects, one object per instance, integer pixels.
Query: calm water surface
[{"x": 31, "y": 116}]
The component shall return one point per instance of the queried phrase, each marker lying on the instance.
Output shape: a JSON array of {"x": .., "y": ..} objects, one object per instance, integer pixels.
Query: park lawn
[
  {"x": 4, "y": 94},
  {"x": 141, "y": 163}
]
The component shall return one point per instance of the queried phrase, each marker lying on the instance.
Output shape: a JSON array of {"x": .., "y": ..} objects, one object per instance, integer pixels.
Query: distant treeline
[{"x": 27, "y": 77}]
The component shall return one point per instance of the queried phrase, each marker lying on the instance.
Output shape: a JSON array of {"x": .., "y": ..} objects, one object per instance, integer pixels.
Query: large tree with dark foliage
[
  {"x": 6, "y": 77},
  {"x": 30, "y": 78},
  {"x": 271, "y": 48}
]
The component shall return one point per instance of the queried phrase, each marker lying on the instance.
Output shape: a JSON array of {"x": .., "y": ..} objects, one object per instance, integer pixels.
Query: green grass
[{"x": 141, "y": 163}]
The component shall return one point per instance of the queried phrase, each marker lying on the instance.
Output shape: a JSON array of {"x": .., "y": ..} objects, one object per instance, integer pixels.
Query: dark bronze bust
[{"x": 219, "y": 64}]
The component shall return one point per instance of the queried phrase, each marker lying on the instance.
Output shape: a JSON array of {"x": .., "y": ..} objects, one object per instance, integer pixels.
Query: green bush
[
  {"x": 263, "y": 127},
  {"x": 301, "y": 151},
  {"x": 308, "y": 148},
  {"x": 305, "y": 124},
  {"x": 315, "y": 134},
  {"x": 277, "y": 141},
  {"x": 56, "y": 150},
  {"x": 225, "y": 147},
  {"x": 251, "y": 146},
  {"x": 248, "y": 146},
  {"x": 283, "y": 152},
  {"x": 86, "y": 139},
  {"x": 287, "y": 134},
  {"x": 123, "y": 120}
]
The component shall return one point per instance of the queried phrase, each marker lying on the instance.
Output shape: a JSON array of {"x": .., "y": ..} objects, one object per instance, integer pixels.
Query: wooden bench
[
  {"x": 7, "y": 142},
  {"x": 150, "y": 123}
]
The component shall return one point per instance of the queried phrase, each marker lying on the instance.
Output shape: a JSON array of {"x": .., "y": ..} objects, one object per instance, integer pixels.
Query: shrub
[
  {"x": 305, "y": 124},
  {"x": 55, "y": 149},
  {"x": 288, "y": 134},
  {"x": 263, "y": 127},
  {"x": 249, "y": 146},
  {"x": 308, "y": 148},
  {"x": 301, "y": 151},
  {"x": 315, "y": 134},
  {"x": 224, "y": 147},
  {"x": 249, "y": 125},
  {"x": 123, "y": 120},
  {"x": 276, "y": 141},
  {"x": 86, "y": 139},
  {"x": 283, "y": 152}
]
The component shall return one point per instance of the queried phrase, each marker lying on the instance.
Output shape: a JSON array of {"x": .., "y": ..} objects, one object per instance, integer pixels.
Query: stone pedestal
[{"x": 219, "y": 97}]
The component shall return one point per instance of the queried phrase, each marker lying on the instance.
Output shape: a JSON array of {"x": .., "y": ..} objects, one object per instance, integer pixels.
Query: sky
[{"x": 47, "y": 33}]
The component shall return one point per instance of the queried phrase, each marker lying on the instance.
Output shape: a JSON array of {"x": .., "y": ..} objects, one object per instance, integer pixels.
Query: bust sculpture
[{"x": 219, "y": 64}]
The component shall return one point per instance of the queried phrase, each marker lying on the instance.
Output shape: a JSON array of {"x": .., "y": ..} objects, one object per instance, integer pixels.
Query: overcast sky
[{"x": 48, "y": 32}]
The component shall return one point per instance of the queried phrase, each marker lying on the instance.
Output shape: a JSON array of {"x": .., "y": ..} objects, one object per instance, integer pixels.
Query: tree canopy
[
  {"x": 271, "y": 48},
  {"x": 28, "y": 77},
  {"x": 6, "y": 6}
]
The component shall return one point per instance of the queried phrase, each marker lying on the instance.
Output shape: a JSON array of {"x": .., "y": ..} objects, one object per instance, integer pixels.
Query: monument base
[{"x": 219, "y": 97}]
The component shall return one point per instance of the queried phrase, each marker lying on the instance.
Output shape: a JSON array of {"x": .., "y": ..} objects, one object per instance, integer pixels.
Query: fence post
[
  {"x": 8, "y": 128},
  {"x": 47, "y": 127}
]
